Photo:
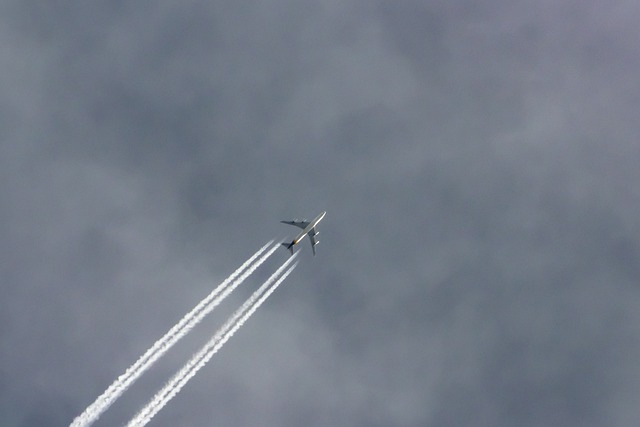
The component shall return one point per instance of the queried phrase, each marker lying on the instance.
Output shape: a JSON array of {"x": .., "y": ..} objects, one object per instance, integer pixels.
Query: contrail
[
  {"x": 199, "y": 359},
  {"x": 204, "y": 307}
]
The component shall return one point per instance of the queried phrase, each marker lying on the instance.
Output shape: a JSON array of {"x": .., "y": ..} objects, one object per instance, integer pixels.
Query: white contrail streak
[
  {"x": 199, "y": 359},
  {"x": 160, "y": 347}
]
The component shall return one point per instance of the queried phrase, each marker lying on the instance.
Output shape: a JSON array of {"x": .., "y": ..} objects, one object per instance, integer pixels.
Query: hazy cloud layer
[{"x": 478, "y": 162}]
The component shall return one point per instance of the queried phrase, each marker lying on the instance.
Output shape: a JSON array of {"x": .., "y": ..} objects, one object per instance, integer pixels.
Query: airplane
[{"x": 308, "y": 228}]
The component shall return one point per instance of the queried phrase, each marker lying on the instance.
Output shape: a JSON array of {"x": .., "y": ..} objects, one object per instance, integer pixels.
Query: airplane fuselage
[{"x": 309, "y": 227}]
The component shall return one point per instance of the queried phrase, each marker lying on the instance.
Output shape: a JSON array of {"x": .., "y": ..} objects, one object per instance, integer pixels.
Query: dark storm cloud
[{"x": 478, "y": 162}]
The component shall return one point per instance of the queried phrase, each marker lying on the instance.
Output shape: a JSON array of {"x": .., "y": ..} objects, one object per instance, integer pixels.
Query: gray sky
[{"x": 478, "y": 161}]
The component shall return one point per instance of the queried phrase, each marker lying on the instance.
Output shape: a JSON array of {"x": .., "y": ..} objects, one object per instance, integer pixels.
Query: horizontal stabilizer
[{"x": 288, "y": 246}]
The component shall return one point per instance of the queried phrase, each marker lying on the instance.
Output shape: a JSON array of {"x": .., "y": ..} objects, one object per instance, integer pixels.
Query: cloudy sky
[{"x": 478, "y": 160}]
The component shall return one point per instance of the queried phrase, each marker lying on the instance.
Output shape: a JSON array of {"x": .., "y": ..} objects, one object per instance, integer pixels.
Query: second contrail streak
[{"x": 199, "y": 359}]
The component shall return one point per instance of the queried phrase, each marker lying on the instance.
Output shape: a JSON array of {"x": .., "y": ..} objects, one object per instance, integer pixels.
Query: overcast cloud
[{"x": 478, "y": 162}]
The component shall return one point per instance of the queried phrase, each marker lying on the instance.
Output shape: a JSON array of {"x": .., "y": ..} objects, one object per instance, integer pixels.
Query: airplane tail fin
[{"x": 288, "y": 246}]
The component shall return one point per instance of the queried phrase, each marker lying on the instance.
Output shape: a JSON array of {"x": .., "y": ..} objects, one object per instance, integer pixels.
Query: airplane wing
[
  {"x": 312, "y": 238},
  {"x": 301, "y": 224}
]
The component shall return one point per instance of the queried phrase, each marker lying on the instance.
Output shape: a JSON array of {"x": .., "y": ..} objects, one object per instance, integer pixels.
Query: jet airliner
[{"x": 308, "y": 228}]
